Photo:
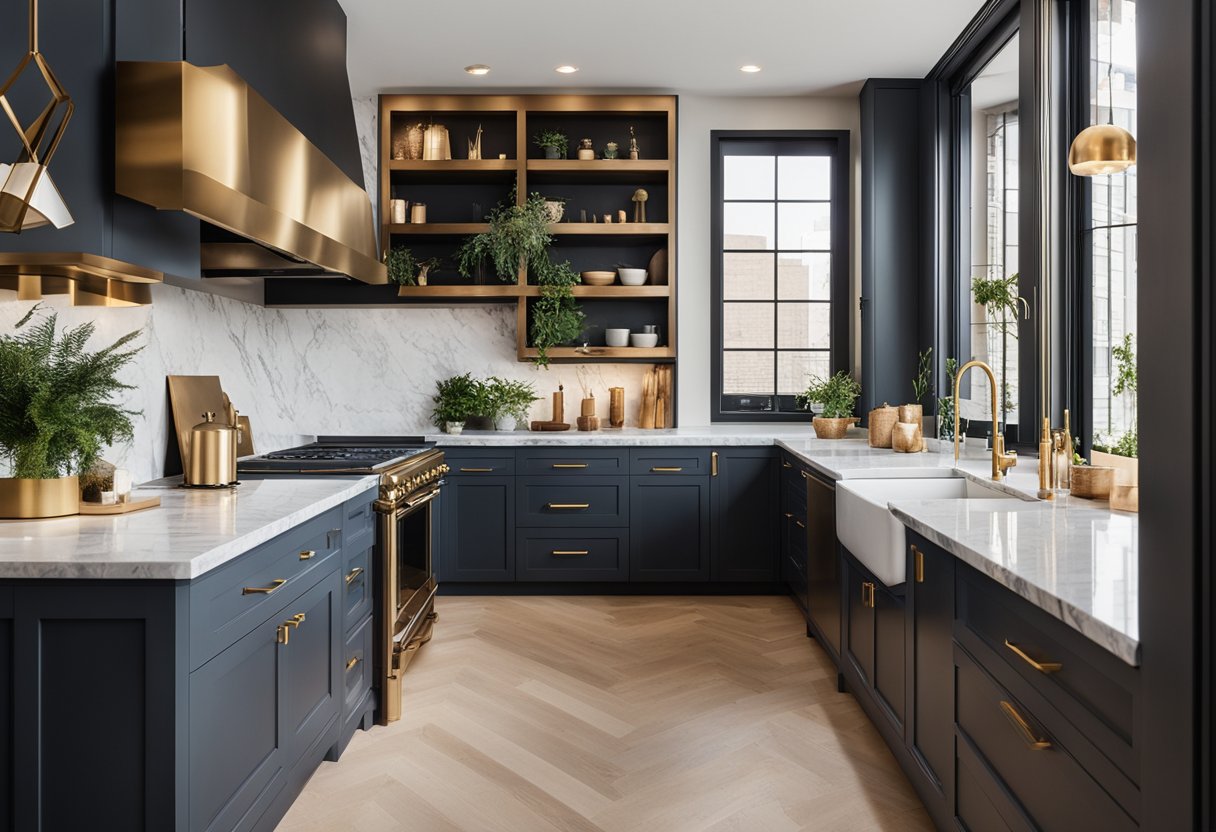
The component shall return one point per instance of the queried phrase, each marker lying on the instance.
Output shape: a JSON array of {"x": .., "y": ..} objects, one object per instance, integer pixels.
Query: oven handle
[{"x": 423, "y": 500}]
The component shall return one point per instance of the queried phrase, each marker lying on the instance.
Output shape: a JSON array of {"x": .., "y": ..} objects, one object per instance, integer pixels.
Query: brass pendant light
[
  {"x": 28, "y": 197},
  {"x": 1102, "y": 149}
]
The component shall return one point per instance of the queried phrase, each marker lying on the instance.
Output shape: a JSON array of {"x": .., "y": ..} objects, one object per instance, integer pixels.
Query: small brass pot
[
  {"x": 1093, "y": 482},
  {"x": 22, "y": 499}
]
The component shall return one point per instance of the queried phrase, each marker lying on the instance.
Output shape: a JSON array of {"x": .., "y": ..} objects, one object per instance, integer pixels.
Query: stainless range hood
[{"x": 202, "y": 141}]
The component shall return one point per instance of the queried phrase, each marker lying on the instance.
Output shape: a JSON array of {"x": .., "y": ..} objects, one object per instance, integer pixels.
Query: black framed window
[{"x": 780, "y": 233}]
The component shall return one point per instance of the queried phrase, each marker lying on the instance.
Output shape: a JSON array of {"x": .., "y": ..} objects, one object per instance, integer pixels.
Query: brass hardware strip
[
  {"x": 666, "y": 470},
  {"x": 350, "y": 664},
  {"x": 570, "y": 553},
  {"x": 800, "y": 524},
  {"x": 713, "y": 463},
  {"x": 264, "y": 590},
  {"x": 1023, "y": 728},
  {"x": 785, "y": 463},
  {"x": 476, "y": 470},
  {"x": 571, "y": 465},
  {"x": 1042, "y": 667},
  {"x": 307, "y": 554},
  {"x": 568, "y": 506},
  {"x": 918, "y": 564},
  {"x": 353, "y": 575}
]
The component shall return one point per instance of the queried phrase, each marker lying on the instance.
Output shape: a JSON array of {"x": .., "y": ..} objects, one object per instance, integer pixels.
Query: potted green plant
[
  {"x": 518, "y": 237},
  {"x": 456, "y": 400},
  {"x": 920, "y": 388},
  {"x": 835, "y": 397},
  {"x": 945, "y": 406},
  {"x": 56, "y": 412},
  {"x": 1121, "y": 452},
  {"x": 510, "y": 401},
  {"x": 1000, "y": 299},
  {"x": 554, "y": 143},
  {"x": 556, "y": 316}
]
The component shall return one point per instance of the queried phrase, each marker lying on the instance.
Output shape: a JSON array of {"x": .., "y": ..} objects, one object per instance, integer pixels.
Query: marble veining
[{"x": 189, "y": 534}]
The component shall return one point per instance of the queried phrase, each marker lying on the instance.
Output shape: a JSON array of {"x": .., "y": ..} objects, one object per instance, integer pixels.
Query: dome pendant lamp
[{"x": 1102, "y": 149}]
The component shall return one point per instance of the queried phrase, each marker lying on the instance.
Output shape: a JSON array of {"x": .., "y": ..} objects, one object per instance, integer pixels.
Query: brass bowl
[{"x": 22, "y": 499}]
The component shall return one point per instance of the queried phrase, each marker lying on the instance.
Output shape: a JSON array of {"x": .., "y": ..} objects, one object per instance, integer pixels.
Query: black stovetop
[{"x": 339, "y": 453}]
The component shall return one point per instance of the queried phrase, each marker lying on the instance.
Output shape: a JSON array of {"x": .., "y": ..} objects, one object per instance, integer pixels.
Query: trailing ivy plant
[
  {"x": 836, "y": 395},
  {"x": 518, "y": 237},
  {"x": 556, "y": 316},
  {"x": 56, "y": 407}
]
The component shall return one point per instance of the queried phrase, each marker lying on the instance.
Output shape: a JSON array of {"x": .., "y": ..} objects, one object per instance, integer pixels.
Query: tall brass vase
[{"x": 22, "y": 499}]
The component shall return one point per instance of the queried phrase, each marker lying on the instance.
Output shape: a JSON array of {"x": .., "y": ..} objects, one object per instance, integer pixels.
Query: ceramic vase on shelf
[{"x": 552, "y": 152}]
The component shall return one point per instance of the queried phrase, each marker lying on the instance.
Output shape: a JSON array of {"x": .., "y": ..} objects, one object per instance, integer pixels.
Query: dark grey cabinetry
[
  {"x": 744, "y": 539},
  {"x": 822, "y": 562},
  {"x": 477, "y": 541},
  {"x": 6, "y": 708},
  {"x": 874, "y": 641},
  {"x": 794, "y": 536},
  {"x": 669, "y": 528}
]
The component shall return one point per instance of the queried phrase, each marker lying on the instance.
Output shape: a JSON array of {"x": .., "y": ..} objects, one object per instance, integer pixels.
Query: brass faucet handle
[{"x": 1004, "y": 459}]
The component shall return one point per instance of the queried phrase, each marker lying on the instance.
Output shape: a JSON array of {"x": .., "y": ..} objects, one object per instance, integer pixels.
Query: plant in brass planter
[
  {"x": 56, "y": 413},
  {"x": 456, "y": 400},
  {"x": 518, "y": 238},
  {"x": 836, "y": 397},
  {"x": 554, "y": 143}
]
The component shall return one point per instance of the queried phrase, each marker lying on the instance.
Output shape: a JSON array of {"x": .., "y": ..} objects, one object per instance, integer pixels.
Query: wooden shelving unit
[{"x": 456, "y": 191}]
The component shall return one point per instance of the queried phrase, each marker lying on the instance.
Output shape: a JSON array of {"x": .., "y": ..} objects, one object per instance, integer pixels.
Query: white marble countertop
[
  {"x": 720, "y": 434},
  {"x": 190, "y": 533}
]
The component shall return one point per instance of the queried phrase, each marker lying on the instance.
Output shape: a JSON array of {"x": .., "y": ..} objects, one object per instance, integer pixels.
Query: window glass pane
[
  {"x": 804, "y": 225},
  {"x": 747, "y": 373},
  {"x": 795, "y": 369},
  {"x": 804, "y": 326},
  {"x": 804, "y": 177},
  {"x": 747, "y": 177},
  {"x": 747, "y": 276},
  {"x": 747, "y": 225},
  {"x": 804, "y": 276},
  {"x": 747, "y": 325}
]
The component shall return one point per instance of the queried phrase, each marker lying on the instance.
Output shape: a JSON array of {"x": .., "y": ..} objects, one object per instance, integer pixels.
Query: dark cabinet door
[
  {"x": 312, "y": 689},
  {"x": 823, "y": 562},
  {"x": 859, "y": 636},
  {"x": 931, "y": 666},
  {"x": 478, "y": 538},
  {"x": 889, "y": 668},
  {"x": 669, "y": 528},
  {"x": 6, "y": 709},
  {"x": 744, "y": 490}
]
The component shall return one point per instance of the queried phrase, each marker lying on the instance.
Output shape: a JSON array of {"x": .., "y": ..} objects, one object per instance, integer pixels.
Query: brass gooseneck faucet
[{"x": 1001, "y": 461}]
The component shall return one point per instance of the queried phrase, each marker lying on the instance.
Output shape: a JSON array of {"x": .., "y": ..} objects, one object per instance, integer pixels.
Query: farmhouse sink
[{"x": 868, "y": 529}]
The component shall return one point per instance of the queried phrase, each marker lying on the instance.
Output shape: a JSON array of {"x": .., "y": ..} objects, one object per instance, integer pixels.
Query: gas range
[{"x": 341, "y": 455}]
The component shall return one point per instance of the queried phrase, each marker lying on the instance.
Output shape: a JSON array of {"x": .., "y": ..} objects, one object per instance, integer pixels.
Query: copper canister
[{"x": 616, "y": 407}]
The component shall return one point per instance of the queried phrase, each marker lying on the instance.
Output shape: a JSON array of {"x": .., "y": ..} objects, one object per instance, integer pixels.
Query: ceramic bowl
[
  {"x": 598, "y": 278},
  {"x": 632, "y": 277},
  {"x": 644, "y": 339},
  {"x": 616, "y": 337}
]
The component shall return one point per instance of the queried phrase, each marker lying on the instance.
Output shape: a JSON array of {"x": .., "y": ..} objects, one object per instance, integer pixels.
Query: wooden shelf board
[
  {"x": 610, "y": 292},
  {"x": 542, "y": 171},
  {"x": 605, "y": 354},
  {"x": 611, "y": 229},
  {"x": 453, "y": 165},
  {"x": 505, "y": 290},
  {"x": 437, "y": 228}
]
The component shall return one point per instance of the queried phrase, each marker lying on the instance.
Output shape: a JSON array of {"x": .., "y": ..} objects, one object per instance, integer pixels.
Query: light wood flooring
[{"x": 616, "y": 714}]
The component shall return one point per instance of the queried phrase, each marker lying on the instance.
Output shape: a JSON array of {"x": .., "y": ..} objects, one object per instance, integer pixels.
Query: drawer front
[
  {"x": 239, "y": 596},
  {"x": 562, "y": 462},
  {"x": 1048, "y": 782},
  {"x": 357, "y": 585},
  {"x": 481, "y": 462},
  {"x": 1091, "y": 689},
  {"x": 566, "y": 503},
  {"x": 669, "y": 461},
  {"x": 357, "y": 666},
  {"x": 981, "y": 804},
  {"x": 360, "y": 518},
  {"x": 586, "y": 555}
]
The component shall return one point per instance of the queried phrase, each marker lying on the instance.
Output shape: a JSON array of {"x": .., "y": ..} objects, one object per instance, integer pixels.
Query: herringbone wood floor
[{"x": 616, "y": 714}]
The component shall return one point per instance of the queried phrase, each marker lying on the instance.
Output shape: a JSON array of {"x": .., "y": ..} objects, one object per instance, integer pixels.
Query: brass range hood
[{"x": 201, "y": 140}]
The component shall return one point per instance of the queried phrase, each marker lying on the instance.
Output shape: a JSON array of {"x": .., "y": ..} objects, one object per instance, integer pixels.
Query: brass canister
[
  {"x": 24, "y": 499},
  {"x": 212, "y": 454},
  {"x": 616, "y": 407}
]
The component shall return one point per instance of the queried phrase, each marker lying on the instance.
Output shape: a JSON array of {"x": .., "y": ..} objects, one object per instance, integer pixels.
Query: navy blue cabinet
[
  {"x": 822, "y": 562},
  {"x": 478, "y": 537},
  {"x": 874, "y": 642},
  {"x": 669, "y": 528},
  {"x": 6, "y": 708},
  {"x": 744, "y": 489}
]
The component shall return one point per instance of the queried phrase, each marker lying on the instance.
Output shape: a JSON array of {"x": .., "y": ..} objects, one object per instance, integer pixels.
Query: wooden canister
[
  {"x": 559, "y": 405},
  {"x": 913, "y": 414},
  {"x": 905, "y": 438},
  {"x": 616, "y": 407},
  {"x": 418, "y": 213},
  {"x": 882, "y": 421},
  {"x": 588, "y": 406}
]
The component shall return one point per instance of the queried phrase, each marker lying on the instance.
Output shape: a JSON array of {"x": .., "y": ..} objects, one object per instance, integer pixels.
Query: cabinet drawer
[
  {"x": 981, "y": 804},
  {"x": 573, "y": 462},
  {"x": 245, "y": 592},
  {"x": 357, "y": 585},
  {"x": 360, "y": 517},
  {"x": 1088, "y": 687},
  {"x": 485, "y": 463},
  {"x": 357, "y": 666},
  {"x": 1048, "y": 782},
  {"x": 669, "y": 461},
  {"x": 567, "y": 503},
  {"x": 586, "y": 555}
]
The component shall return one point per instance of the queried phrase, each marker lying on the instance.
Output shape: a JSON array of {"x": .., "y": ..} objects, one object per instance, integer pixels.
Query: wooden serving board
[
  {"x": 539, "y": 426},
  {"x": 119, "y": 508}
]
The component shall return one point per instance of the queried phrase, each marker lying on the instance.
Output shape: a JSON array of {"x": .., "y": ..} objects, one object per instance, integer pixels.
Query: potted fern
[
  {"x": 518, "y": 238},
  {"x": 56, "y": 412},
  {"x": 835, "y": 397},
  {"x": 457, "y": 399}
]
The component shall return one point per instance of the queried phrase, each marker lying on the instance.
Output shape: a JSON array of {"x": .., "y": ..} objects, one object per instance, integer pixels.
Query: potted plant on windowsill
[
  {"x": 835, "y": 397},
  {"x": 456, "y": 400},
  {"x": 1122, "y": 452},
  {"x": 56, "y": 413},
  {"x": 554, "y": 143}
]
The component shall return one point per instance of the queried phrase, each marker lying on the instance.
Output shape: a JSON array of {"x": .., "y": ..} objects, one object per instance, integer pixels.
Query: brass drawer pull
[
  {"x": 867, "y": 594},
  {"x": 785, "y": 463},
  {"x": 1042, "y": 667},
  {"x": 571, "y": 465},
  {"x": 353, "y": 575},
  {"x": 666, "y": 470},
  {"x": 307, "y": 554},
  {"x": 1023, "y": 728},
  {"x": 713, "y": 463},
  {"x": 476, "y": 470},
  {"x": 800, "y": 524},
  {"x": 264, "y": 590},
  {"x": 568, "y": 506},
  {"x": 789, "y": 516},
  {"x": 351, "y": 664},
  {"x": 805, "y": 475},
  {"x": 570, "y": 553},
  {"x": 918, "y": 566}
]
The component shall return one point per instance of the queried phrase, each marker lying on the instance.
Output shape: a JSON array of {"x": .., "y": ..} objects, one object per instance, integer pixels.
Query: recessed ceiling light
[
  {"x": 749, "y": 68},
  {"x": 566, "y": 69},
  {"x": 477, "y": 69}
]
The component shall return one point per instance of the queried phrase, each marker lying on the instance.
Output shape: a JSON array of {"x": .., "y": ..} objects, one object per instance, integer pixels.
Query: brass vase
[{"x": 25, "y": 499}]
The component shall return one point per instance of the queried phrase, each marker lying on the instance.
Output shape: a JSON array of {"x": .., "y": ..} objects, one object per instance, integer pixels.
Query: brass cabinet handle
[
  {"x": 918, "y": 564},
  {"x": 713, "y": 463},
  {"x": 568, "y": 506},
  {"x": 350, "y": 664},
  {"x": 785, "y": 463},
  {"x": 666, "y": 470},
  {"x": 307, "y": 554},
  {"x": 264, "y": 590},
  {"x": 353, "y": 575},
  {"x": 867, "y": 594},
  {"x": 570, "y": 465},
  {"x": 476, "y": 470},
  {"x": 283, "y": 633},
  {"x": 805, "y": 476},
  {"x": 1023, "y": 728},
  {"x": 800, "y": 524},
  {"x": 789, "y": 516},
  {"x": 1042, "y": 667},
  {"x": 570, "y": 553}
]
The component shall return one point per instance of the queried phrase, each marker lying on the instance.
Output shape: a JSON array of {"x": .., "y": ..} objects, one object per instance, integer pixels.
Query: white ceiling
[
  {"x": 687, "y": 46},
  {"x": 997, "y": 82}
]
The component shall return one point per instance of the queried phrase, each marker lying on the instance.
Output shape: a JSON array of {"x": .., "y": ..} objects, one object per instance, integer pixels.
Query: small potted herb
[
  {"x": 835, "y": 397},
  {"x": 509, "y": 402},
  {"x": 554, "y": 143},
  {"x": 456, "y": 400}
]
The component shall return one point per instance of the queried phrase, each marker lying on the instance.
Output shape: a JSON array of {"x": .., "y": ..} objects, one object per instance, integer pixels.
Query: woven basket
[
  {"x": 832, "y": 428},
  {"x": 882, "y": 422}
]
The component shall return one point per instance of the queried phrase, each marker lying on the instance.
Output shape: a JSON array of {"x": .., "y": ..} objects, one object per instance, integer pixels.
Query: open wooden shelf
[
  {"x": 609, "y": 292},
  {"x": 553, "y": 171},
  {"x": 504, "y": 290},
  {"x": 568, "y": 354},
  {"x": 422, "y": 229},
  {"x": 611, "y": 229},
  {"x": 453, "y": 165}
]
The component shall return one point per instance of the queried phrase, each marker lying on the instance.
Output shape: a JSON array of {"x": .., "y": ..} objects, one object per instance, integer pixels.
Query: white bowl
[
  {"x": 616, "y": 337},
  {"x": 632, "y": 277},
  {"x": 644, "y": 339}
]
